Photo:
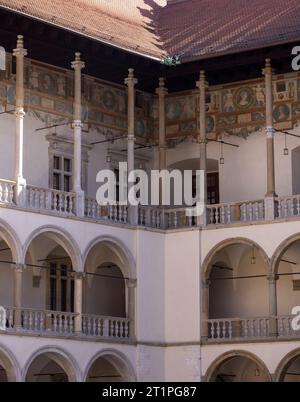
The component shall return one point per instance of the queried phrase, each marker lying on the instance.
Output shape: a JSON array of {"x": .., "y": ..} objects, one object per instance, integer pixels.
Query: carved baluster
[
  {"x": 285, "y": 208},
  {"x": 298, "y": 206},
  {"x": 222, "y": 214},
  {"x": 217, "y": 215}
]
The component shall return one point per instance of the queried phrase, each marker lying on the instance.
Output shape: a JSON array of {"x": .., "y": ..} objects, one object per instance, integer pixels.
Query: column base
[
  {"x": 80, "y": 201},
  {"x": 269, "y": 204}
]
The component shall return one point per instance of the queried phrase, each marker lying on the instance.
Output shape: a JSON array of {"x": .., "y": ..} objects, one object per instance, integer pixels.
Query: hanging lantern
[
  {"x": 285, "y": 150},
  {"x": 253, "y": 258},
  {"x": 108, "y": 156},
  {"x": 222, "y": 159}
]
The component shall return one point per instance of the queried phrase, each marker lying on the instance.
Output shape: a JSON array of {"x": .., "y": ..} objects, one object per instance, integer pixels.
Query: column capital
[
  {"x": 131, "y": 282},
  {"x": 78, "y": 64},
  {"x": 201, "y": 83},
  {"x": 19, "y": 112},
  {"x": 19, "y": 268},
  {"x": 77, "y": 124},
  {"x": 270, "y": 131},
  {"x": 19, "y": 51},
  {"x": 161, "y": 90},
  {"x": 130, "y": 81},
  {"x": 268, "y": 70},
  {"x": 79, "y": 275},
  {"x": 206, "y": 283},
  {"x": 272, "y": 278}
]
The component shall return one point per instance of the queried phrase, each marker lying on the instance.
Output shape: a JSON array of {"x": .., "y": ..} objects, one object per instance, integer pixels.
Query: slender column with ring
[
  {"x": 78, "y": 300},
  {"x": 131, "y": 288},
  {"x": 18, "y": 281},
  {"x": 270, "y": 194},
  {"x": 77, "y": 65},
  {"x": 205, "y": 309},
  {"x": 20, "y": 187},
  {"x": 202, "y": 140},
  {"x": 273, "y": 328},
  {"x": 131, "y": 81}
]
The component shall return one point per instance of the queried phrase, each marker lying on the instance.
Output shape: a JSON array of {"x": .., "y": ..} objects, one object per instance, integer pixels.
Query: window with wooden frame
[
  {"x": 62, "y": 173},
  {"x": 61, "y": 286}
]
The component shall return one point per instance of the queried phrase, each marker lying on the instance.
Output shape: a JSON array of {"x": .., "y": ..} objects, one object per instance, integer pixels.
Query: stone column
[
  {"x": 272, "y": 279},
  {"x": 78, "y": 300},
  {"x": 162, "y": 92},
  {"x": 19, "y": 53},
  {"x": 269, "y": 197},
  {"x": 18, "y": 279},
  {"x": 202, "y": 85},
  {"x": 130, "y": 81},
  {"x": 77, "y": 65},
  {"x": 131, "y": 287},
  {"x": 204, "y": 309}
]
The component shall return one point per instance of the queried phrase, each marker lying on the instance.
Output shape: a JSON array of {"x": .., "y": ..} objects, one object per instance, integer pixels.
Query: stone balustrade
[
  {"x": 107, "y": 327},
  {"x": 7, "y": 191},
  {"x": 288, "y": 206},
  {"x": 64, "y": 203},
  {"x": 63, "y": 323},
  {"x": 61, "y": 202},
  {"x": 228, "y": 329}
]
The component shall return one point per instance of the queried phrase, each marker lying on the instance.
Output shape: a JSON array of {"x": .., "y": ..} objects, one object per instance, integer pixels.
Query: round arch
[
  {"x": 235, "y": 353},
  {"x": 285, "y": 363},
  {"x": 10, "y": 365},
  {"x": 206, "y": 269},
  {"x": 280, "y": 250},
  {"x": 63, "y": 238},
  {"x": 117, "y": 359},
  {"x": 60, "y": 357},
  {"x": 8, "y": 234},
  {"x": 128, "y": 263}
]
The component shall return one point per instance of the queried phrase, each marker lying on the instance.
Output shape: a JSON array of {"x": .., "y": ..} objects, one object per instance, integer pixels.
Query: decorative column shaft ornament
[
  {"x": 18, "y": 280},
  {"x": 272, "y": 279},
  {"x": 131, "y": 81},
  {"x": 77, "y": 65},
  {"x": 269, "y": 130},
  {"x": 78, "y": 300},
  {"x": 19, "y": 53},
  {"x": 202, "y": 85}
]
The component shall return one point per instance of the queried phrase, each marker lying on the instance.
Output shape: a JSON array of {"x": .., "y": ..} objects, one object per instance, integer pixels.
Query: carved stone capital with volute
[
  {"x": 161, "y": 91},
  {"x": 78, "y": 64},
  {"x": 19, "y": 51},
  {"x": 130, "y": 81},
  {"x": 202, "y": 84},
  {"x": 131, "y": 282}
]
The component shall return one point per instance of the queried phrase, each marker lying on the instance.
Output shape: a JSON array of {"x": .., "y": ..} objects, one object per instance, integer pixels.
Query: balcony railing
[
  {"x": 64, "y": 203},
  {"x": 63, "y": 324},
  {"x": 229, "y": 329},
  {"x": 6, "y": 191},
  {"x": 61, "y": 202}
]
